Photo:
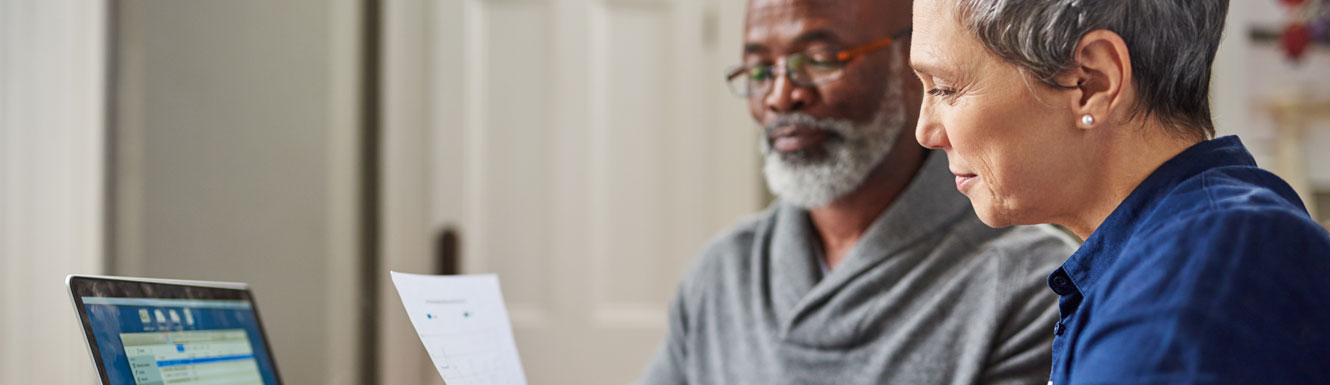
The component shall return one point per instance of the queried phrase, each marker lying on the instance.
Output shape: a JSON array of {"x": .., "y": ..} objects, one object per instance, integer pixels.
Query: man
[{"x": 871, "y": 268}]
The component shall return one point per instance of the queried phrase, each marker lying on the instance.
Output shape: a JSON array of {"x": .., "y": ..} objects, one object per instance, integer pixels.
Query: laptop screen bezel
[{"x": 122, "y": 287}]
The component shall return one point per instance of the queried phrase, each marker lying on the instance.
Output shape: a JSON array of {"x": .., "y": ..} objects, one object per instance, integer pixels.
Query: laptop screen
[{"x": 143, "y": 341}]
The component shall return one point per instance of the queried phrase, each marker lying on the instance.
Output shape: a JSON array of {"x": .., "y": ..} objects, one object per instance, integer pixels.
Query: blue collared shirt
[{"x": 1210, "y": 272}]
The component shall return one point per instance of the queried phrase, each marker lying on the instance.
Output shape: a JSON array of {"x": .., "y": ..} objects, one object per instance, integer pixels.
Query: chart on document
[{"x": 464, "y": 325}]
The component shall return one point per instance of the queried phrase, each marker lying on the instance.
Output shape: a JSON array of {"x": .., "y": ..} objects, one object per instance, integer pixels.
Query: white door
[{"x": 583, "y": 150}]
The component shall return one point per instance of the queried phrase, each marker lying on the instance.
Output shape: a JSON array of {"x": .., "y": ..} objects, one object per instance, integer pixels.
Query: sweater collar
[{"x": 928, "y": 205}]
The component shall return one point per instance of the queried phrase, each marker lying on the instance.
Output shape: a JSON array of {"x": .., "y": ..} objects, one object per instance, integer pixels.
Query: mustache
[{"x": 839, "y": 127}]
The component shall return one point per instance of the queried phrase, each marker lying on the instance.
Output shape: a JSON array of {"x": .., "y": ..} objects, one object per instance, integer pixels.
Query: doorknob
[{"x": 446, "y": 247}]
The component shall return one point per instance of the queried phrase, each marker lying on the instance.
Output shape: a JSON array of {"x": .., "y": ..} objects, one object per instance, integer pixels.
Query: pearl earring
[{"x": 1087, "y": 120}]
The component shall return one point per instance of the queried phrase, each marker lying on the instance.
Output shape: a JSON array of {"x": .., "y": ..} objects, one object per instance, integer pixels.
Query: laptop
[{"x": 154, "y": 331}]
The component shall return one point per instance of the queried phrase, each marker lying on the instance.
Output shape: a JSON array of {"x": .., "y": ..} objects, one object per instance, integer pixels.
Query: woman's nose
[{"x": 929, "y": 132}]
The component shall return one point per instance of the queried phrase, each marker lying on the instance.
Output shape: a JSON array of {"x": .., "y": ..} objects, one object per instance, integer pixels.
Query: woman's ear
[{"x": 1102, "y": 75}]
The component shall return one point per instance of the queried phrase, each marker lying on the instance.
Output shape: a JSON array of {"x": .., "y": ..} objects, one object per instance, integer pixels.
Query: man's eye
[
  {"x": 832, "y": 63},
  {"x": 823, "y": 60},
  {"x": 759, "y": 73}
]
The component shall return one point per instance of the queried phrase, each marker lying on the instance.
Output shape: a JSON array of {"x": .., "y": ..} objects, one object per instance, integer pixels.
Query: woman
[{"x": 1197, "y": 267}]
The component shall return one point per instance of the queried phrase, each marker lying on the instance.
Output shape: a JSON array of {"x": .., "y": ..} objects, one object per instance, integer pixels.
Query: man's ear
[{"x": 1101, "y": 75}]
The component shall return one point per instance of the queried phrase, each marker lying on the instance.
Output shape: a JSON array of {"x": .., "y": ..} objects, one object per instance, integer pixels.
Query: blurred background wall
[
  {"x": 236, "y": 156},
  {"x": 1285, "y": 104},
  {"x": 52, "y": 164},
  {"x": 584, "y": 150}
]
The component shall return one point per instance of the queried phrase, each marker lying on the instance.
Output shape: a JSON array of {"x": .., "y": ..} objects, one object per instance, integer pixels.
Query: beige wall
[
  {"x": 51, "y": 83},
  {"x": 236, "y": 160}
]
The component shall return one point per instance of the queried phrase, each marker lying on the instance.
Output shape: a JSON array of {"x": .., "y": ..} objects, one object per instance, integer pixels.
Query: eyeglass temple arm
[
  {"x": 846, "y": 55},
  {"x": 736, "y": 71}
]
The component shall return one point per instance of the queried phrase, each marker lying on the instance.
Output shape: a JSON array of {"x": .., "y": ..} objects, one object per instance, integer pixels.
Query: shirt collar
[{"x": 1100, "y": 250}]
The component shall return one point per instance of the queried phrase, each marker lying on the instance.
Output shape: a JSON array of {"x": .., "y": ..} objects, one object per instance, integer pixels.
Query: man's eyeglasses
[{"x": 804, "y": 69}]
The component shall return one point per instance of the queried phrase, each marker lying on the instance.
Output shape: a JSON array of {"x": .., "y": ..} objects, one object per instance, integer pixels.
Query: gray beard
[{"x": 814, "y": 177}]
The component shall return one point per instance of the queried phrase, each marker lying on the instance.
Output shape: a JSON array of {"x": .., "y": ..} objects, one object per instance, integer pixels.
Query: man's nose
[{"x": 785, "y": 96}]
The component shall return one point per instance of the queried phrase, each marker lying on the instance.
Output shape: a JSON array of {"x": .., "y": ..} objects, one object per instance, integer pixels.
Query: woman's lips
[
  {"x": 796, "y": 138},
  {"x": 964, "y": 181}
]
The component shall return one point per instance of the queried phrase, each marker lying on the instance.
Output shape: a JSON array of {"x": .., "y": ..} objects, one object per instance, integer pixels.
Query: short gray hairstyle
[{"x": 1172, "y": 44}]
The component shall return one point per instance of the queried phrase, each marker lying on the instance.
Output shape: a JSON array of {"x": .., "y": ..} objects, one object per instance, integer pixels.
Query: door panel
[
  {"x": 511, "y": 159},
  {"x": 632, "y": 137}
]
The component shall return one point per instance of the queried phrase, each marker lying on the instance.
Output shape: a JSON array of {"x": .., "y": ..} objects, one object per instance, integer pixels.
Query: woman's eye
[
  {"x": 947, "y": 94},
  {"x": 943, "y": 92}
]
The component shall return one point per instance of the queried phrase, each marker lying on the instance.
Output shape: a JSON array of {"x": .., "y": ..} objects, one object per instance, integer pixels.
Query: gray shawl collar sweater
[{"x": 929, "y": 295}]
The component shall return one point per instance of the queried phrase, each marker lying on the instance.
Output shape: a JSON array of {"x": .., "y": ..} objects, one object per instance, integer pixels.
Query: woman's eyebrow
[{"x": 925, "y": 65}]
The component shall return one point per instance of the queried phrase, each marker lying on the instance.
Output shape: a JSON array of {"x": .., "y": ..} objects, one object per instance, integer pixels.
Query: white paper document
[{"x": 464, "y": 325}]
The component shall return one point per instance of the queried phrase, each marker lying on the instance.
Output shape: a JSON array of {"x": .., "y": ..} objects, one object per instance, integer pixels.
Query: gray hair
[{"x": 1172, "y": 44}]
